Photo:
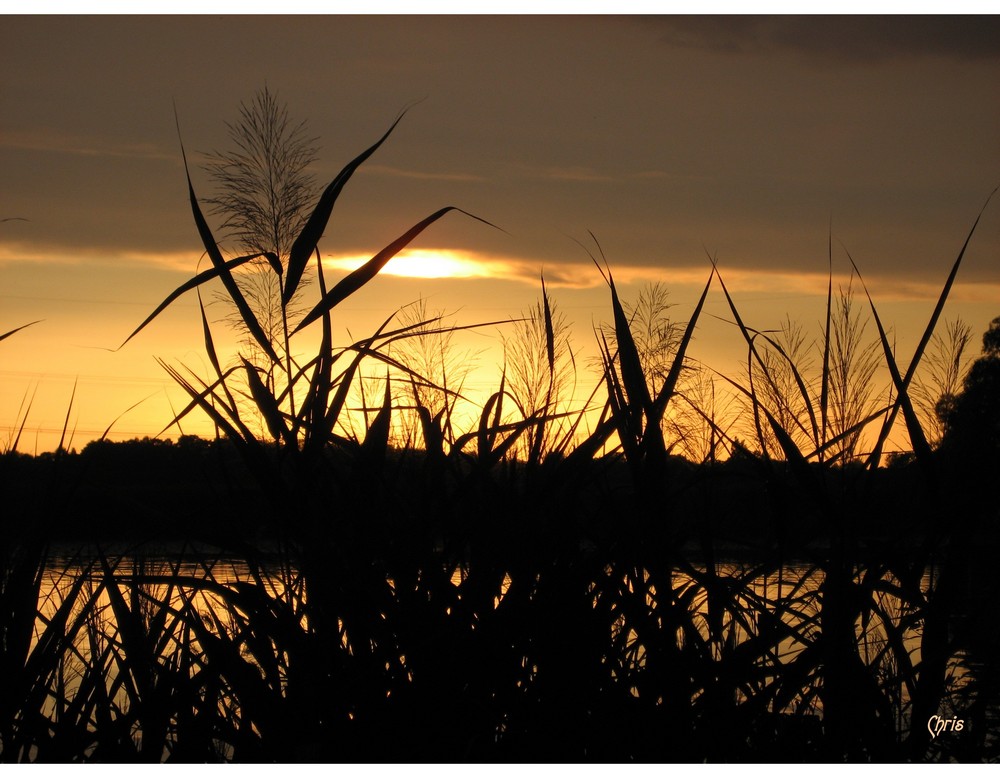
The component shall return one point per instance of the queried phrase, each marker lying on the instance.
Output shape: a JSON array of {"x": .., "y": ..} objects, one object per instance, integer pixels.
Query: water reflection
[{"x": 197, "y": 657}]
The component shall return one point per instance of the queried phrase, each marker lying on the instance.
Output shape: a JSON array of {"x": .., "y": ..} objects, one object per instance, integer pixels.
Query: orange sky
[{"x": 667, "y": 138}]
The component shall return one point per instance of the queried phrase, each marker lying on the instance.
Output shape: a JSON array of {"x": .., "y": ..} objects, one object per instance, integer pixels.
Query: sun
[{"x": 421, "y": 263}]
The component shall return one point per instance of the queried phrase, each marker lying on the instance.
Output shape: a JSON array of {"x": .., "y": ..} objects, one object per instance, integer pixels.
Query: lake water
[{"x": 165, "y": 590}]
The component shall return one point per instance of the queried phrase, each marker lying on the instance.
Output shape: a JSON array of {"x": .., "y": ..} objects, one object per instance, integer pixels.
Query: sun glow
[{"x": 425, "y": 263}]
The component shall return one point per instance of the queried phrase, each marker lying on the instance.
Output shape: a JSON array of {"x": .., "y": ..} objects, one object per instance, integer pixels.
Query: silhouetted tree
[{"x": 972, "y": 422}]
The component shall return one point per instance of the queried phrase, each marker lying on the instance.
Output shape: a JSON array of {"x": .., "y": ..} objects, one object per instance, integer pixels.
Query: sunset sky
[{"x": 668, "y": 138}]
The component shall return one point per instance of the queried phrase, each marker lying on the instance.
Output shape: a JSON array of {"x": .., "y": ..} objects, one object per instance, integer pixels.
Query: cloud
[
  {"x": 15, "y": 252},
  {"x": 385, "y": 170},
  {"x": 579, "y": 173},
  {"x": 838, "y": 38},
  {"x": 49, "y": 140},
  {"x": 450, "y": 263},
  {"x": 472, "y": 266},
  {"x": 585, "y": 174}
]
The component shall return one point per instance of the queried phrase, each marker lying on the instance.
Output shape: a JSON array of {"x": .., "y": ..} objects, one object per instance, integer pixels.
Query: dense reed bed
[{"x": 550, "y": 584}]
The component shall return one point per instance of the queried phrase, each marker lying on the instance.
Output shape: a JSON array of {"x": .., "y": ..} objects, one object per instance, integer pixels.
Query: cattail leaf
[
  {"x": 224, "y": 272},
  {"x": 199, "y": 399},
  {"x": 550, "y": 341},
  {"x": 24, "y": 418},
  {"x": 498, "y": 410},
  {"x": 570, "y": 434},
  {"x": 257, "y": 699},
  {"x": 377, "y": 438},
  {"x": 752, "y": 355},
  {"x": 588, "y": 448},
  {"x": 213, "y": 357},
  {"x": 18, "y": 329},
  {"x": 317, "y": 400},
  {"x": 346, "y": 378},
  {"x": 50, "y": 645},
  {"x": 343, "y": 384},
  {"x": 758, "y": 427},
  {"x": 69, "y": 409},
  {"x": 849, "y": 432},
  {"x": 358, "y": 278},
  {"x": 274, "y": 262},
  {"x": 133, "y": 657},
  {"x": 746, "y": 331},
  {"x": 266, "y": 404},
  {"x": 653, "y": 443},
  {"x": 107, "y": 430},
  {"x": 429, "y": 426},
  {"x": 800, "y": 385},
  {"x": 876, "y": 454},
  {"x": 627, "y": 420},
  {"x": 486, "y": 433},
  {"x": 824, "y": 399},
  {"x": 516, "y": 429},
  {"x": 226, "y": 276},
  {"x": 187, "y": 286},
  {"x": 628, "y": 356},
  {"x": 918, "y": 440},
  {"x": 305, "y": 243},
  {"x": 792, "y": 453},
  {"x": 670, "y": 383},
  {"x": 233, "y": 427}
]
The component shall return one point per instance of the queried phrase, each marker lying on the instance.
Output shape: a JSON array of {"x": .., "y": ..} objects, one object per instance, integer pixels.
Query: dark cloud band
[{"x": 839, "y": 38}]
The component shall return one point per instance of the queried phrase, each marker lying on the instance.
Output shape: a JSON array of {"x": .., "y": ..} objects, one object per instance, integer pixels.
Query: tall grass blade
[
  {"x": 742, "y": 327},
  {"x": 224, "y": 272},
  {"x": 267, "y": 405},
  {"x": 24, "y": 417},
  {"x": 628, "y": 422},
  {"x": 18, "y": 329},
  {"x": 69, "y": 409},
  {"x": 305, "y": 243},
  {"x": 494, "y": 454},
  {"x": 199, "y": 399},
  {"x": 187, "y": 286},
  {"x": 793, "y": 455},
  {"x": 312, "y": 414},
  {"x": 213, "y": 356},
  {"x": 587, "y": 449},
  {"x": 918, "y": 440},
  {"x": 358, "y": 278},
  {"x": 550, "y": 341},
  {"x": 928, "y": 332},
  {"x": 633, "y": 377},
  {"x": 799, "y": 383},
  {"x": 487, "y": 433},
  {"x": 824, "y": 397},
  {"x": 346, "y": 378},
  {"x": 377, "y": 438},
  {"x": 107, "y": 430},
  {"x": 570, "y": 433},
  {"x": 429, "y": 426},
  {"x": 670, "y": 383}
]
